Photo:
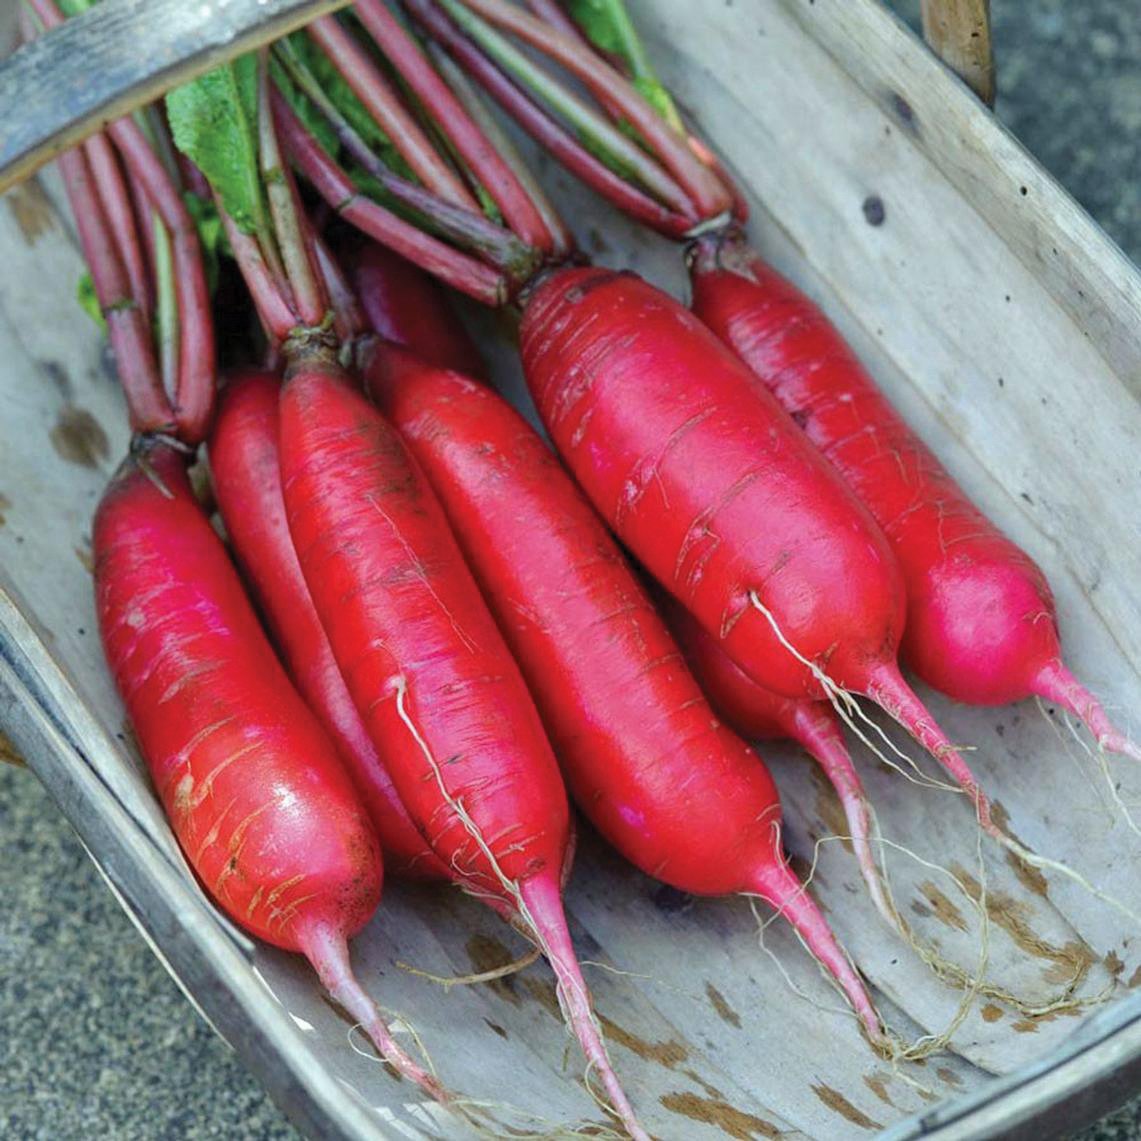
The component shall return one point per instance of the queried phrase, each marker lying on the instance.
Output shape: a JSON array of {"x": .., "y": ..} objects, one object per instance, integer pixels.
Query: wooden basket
[{"x": 1006, "y": 327}]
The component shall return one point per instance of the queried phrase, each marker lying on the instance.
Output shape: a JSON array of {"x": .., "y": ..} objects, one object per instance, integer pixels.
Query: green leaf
[
  {"x": 89, "y": 302},
  {"x": 74, "y": 7},
  {"x": 214, "y": 123},
  {"x": 608, "y": 26},
  {"x": 597, "y": 20}
]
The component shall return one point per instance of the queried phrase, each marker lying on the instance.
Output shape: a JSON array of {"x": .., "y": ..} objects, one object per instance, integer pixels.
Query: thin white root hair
[
  {"x": 1101, "y": 761},
  {"x": 400, "y": 685},
  {"x": 393, "y": 1020},
  {"x": 850, "y": 713},
  {"x": 449, "y": 981}
]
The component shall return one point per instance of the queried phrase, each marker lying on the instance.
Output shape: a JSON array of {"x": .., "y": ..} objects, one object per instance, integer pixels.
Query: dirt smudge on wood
[
  {"x": 79, "y": 438},
  {"x": 733, "y": 1122},
  {"x": 5, "y": 505},
  {"x": 85, "y": 556},
  {"x": 991, "y": 1013},
  {"x": 838, "y": 1103},
  {"x": 32, "y": 210},
  {"x": 8, "y": 753},
  {"x": 1030, "y": 877},
  {"x": 877, "y": 1083},
  {"x": 724, "y": 1011},
  {"x": 694, "y": 1076},
  {"x": 1114, "y": 964},
  {"x": 545, "y": 994},
  {"x": 669, "y": 1053},
  {"x": 1134, "y": 979},
  {"x": 941, "y": 907},
  {"x": 1070, "y": 963},
  {"x": 949, "y": 1076}
]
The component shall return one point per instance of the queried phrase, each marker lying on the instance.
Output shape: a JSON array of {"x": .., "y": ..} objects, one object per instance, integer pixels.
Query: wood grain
[
  {"x": 66, "y": 85},
  {"x": 959, "y": 32}
]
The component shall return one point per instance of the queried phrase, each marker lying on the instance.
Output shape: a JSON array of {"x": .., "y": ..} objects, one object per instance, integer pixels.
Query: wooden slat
[
  {"x": 62, "y": 87},
  {"x": 959, "y": 32}
]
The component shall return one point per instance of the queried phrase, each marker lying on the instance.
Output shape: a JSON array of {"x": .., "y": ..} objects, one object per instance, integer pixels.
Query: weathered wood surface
[
  {"x": 959, "y": 32},
  {"x": 61, "y": 87},
  {"x": 1026, "y": 390}
]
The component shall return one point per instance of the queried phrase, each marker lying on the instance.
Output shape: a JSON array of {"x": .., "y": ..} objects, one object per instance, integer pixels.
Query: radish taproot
[
  {"x": 759, "y": 714},
  {"x": 246, "y": 474},
  {"x": 676, "y": 792},
  {"x": 981, "y": 622},
  {"x": 442, "y": 698},
  {"x": 253, "y": 789}
]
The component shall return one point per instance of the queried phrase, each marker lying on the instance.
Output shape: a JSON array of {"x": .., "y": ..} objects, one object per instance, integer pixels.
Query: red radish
[
  {"x": 720, "y": 497},
  {"x": 407, "y": 307},
  {"x": 981, "y": 623},
  {"x": 428, "y": 669},
  {"x": 253, "y": 788},
  {"x": 245, "y": 465},
  {"x": 676, "y": 792}
]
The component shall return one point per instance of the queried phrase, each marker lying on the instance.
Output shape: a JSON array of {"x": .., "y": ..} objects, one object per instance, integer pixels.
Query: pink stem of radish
[
  {"x": 544, "y": 129},
  {"x": 780, "y": 889},
  {"x": 493, "y": 173},
  {"x": 543, "y": 901},
  {"x": 814, "y": 727},
  {"x": 130, "y": 337},
  {"x": 454, "y": 268},
  {"x": 328, "y": 951},
  {"x": 384, "y": 105},
  {"x": 350, "y": 322},
  {"x": 274, "y": 310},
  {"x": 194, "y": 392},
  {"x": 708, "y": 196},
  {"x": 888, "y": 690},
  {"x": 120, "y": 214},
  {"x": 1056, "y": 683}
]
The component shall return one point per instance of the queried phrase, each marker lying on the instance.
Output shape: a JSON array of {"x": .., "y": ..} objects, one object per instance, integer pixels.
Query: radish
[
  {"x": 253, "y": 789},
  {"x": 759, "y": 714},
  {"x": 428, "y": 669},
  {"x": 720, "y": 497},
  {"x": 647, "y": 761},
  {"x": 245, "y": 466},
  {"x": 981, "y": 622},
  {"x": 407, "y": 307}
]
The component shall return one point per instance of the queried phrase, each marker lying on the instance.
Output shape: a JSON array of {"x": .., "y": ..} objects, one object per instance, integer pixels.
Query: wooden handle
[
  {"x": 959, "y": 31},
  {"x": 67, "y": 84}
]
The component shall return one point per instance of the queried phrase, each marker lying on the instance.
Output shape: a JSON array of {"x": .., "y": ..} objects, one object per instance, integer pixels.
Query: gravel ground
[{"x": 96, "y": 1040}]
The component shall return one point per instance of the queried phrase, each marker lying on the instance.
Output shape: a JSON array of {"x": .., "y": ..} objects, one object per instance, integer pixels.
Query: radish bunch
[{"x": 464, "y": 641}]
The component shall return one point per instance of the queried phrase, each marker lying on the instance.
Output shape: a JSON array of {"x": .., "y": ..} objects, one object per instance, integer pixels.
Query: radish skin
[
  {"x": 428, "y": 669},
  {"x": 406, "y": 306},
  {"x": 720, "y": 497},
  {"x": 759, "y": 714},
  {"x": 981, "y": 622},
  {"x": 246, "y": 471},
  {"x": 645, "y": 757},
  {"x": 253, "y": 789}
]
